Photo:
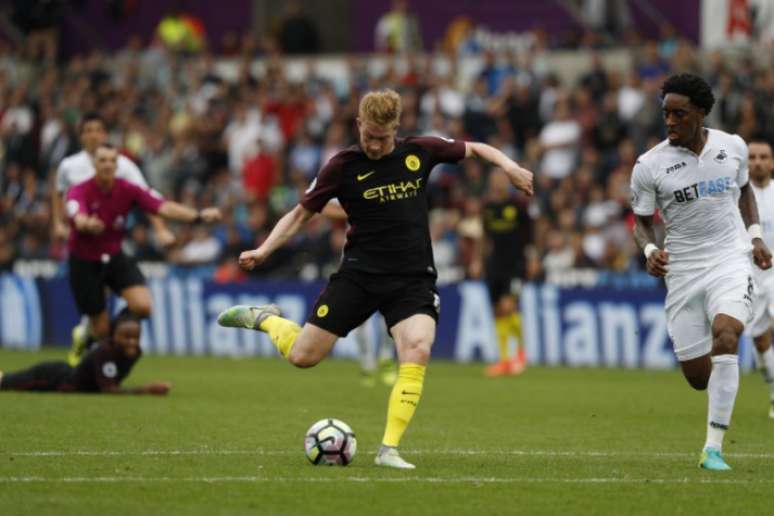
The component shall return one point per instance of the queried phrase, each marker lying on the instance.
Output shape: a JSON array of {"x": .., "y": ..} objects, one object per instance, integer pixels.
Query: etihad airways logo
[{"x": 394, "y": 191}]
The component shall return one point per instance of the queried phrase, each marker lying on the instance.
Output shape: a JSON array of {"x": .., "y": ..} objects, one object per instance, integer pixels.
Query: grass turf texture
[{"x": 228, "y": 440}]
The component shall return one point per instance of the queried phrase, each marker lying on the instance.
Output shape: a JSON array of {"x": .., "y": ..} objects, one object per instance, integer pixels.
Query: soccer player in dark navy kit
[
  {"x": 508, "y": 230},
  {"x": 97, "y": 210},
  {"x": 388, "y": 260},
  {"x": 103, "y": 369}
]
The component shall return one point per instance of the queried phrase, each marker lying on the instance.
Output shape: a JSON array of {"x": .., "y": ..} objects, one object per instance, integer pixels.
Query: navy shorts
[{"x": 350, "y": 298}]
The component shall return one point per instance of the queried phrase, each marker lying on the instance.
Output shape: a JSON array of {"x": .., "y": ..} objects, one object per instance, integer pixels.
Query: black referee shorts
[
  {"x": 350, "y": 298},
  {"x": 88, "y": 280}
]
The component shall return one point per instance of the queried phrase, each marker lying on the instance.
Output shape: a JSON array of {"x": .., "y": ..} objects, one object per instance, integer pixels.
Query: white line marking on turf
[
  {"x": 264, "y": 452},
  {"x": 431, "y": 480}
]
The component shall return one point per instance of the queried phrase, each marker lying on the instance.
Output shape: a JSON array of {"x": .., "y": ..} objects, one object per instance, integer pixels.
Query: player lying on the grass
[
  {"x": 761, "y": 169},
  {"x": 698, "y": 178},
  {"x": 102, "y": 369},
  {"x": 97, "y": 210},
  {"x": 388, "y": 262}
]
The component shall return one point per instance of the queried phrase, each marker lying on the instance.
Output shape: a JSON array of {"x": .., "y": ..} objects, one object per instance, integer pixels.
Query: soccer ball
[{"x": 330, "y": 442}]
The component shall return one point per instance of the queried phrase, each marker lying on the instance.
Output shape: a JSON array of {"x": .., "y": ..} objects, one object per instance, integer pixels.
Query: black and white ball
[{"x": 330, "y": 442}]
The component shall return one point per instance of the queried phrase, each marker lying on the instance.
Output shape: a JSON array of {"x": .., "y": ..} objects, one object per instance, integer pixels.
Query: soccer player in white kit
[
  {"x": 74, "y": 170},
  {"x": 761, "y": 169},
  {"x": 698, "y": 178}
]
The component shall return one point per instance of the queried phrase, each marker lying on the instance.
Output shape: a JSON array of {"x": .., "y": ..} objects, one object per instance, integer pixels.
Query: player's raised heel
[
  {"x": 390, "y": 458},
  {"x": 244, "y": 316},
  {"x": 78, "y": 346},
  {"x": 712, "y": 460}
]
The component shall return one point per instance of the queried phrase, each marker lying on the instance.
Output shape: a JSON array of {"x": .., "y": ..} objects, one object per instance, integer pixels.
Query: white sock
[
  {"x": 766, "y": 361},
  {"x": 722, "y": 388},
  {"x": 365, "y": 347}
]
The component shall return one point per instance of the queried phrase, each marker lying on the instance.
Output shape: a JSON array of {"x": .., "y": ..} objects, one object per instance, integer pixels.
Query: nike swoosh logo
[
  {"x": 361, "y": 177},
  {"x": 410, "y": 393}
]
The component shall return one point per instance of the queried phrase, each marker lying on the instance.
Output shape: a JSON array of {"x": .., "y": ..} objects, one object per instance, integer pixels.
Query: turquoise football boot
[{"x": 712, "y": 460}]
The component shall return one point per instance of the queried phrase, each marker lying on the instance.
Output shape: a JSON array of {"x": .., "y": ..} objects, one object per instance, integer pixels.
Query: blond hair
[{"x": 381, "y": 107}]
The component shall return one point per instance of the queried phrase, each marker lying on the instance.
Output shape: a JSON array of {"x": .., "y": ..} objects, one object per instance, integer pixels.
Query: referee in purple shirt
[{"x": 97, "y": 210}]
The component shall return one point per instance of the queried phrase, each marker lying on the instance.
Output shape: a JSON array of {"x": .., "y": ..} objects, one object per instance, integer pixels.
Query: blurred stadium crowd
[{"x": 251, "y": 144}]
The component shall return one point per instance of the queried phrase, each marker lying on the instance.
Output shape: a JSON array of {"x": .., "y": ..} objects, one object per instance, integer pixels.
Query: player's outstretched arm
[
  {"x": 155, "y": 388},
  {"x": 656, "y": 259},
  {"x": 164, "y": 235},
  {"x": 176, "y": 211},
  {"x": 520, "y": 177},
  {"x": 748, "y": 207},
  {"x": 285, "y": 229}
]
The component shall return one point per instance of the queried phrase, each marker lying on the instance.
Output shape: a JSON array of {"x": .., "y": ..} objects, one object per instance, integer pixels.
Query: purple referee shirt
[{"x": 112, "y": 208}]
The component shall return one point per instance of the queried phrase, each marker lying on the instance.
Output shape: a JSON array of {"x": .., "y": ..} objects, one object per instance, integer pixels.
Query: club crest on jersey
[
  {"x": 721, "y": 157},
  {"x": 412, "y": 162},
  {"x": 322, "y": 311},
  {"x": 109, "y": 369}
]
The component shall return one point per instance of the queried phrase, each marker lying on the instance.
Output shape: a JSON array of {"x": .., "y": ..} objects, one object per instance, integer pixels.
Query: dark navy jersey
[
  {"x": 508, "y": 229},
  {"x": 386, "y": 203},
  {"x": 104, "y": 367}
]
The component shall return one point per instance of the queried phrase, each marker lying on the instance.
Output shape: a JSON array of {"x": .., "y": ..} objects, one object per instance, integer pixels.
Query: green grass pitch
[{"x": 228, "y": 440}]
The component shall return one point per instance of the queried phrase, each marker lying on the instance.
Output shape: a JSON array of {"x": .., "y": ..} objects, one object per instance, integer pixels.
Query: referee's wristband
[
  {"x": 198, "y": 219},
  {"x": 755, "y": 231},
  {"x": 649, "y": 250}
]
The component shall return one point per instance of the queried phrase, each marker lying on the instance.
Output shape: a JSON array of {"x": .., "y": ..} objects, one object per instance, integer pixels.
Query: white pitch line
[
  {"x": 264, "y": 452},
  {"x": 361, "y": 479}
]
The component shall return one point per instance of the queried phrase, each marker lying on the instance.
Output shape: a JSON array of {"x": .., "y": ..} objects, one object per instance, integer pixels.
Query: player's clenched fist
[
  {"x": 248, "y": 260},
  {"x": 521, "y": 179},
  {"x": 761, "y": 254},
  {"x": 210, "y": 215},
  {"x": 657, "y": 263}
]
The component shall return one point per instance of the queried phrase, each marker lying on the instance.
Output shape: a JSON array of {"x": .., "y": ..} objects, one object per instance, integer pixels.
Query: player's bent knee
[
  {"x": 303, "y": 359},
  {"x": 416, "y": 352},
  {"x": 725, "y": 342}
]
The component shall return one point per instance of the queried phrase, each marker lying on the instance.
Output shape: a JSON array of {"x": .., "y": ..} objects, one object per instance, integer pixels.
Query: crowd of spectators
[{"x": 252, "y": 145}]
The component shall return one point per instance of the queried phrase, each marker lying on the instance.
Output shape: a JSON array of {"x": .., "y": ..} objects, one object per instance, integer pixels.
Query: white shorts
[
  {"x": 694, "y": 300},
  {"x": 763, "y": 305}
]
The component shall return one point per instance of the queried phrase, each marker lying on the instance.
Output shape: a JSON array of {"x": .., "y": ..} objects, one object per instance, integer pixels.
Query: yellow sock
[
  {"x": 515, "y": 323},
  {"x": 503, "y": 330},
  {"x": 403, "y": 402},
  {"x": 282, "y": 332}
]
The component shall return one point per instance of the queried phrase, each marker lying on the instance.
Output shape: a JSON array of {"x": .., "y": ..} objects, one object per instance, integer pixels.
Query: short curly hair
[
  {"x": 381, "y": 107},
  {"x": 693, "y": 87}
]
